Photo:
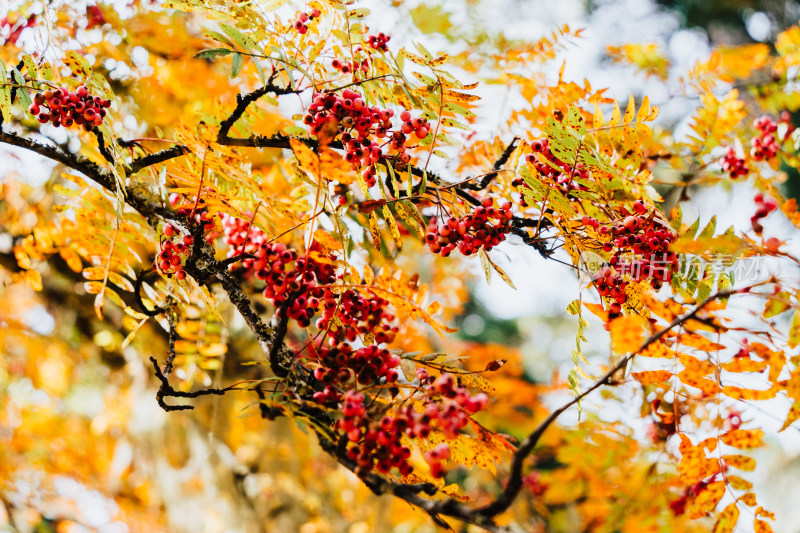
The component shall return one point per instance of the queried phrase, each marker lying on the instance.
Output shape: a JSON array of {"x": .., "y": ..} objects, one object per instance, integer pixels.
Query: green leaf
[
  {"x": 427, "y": 80},
  {"x": 777, "y": 304},
  {"x": 295, "y": 131},
  {"x": 236, "y": 64},
  {"x": 574, "y": 307},
  {"x": 794, "y": 331},
  {"x": 30, "y": 66},
  {"x": 541, "y": 192},
  {"x": 22, "y": 91},
  {"x": 247, "y": 43},
  {"x": 5, "y": 95},
  {"x": 424, "y": 52},
  {"x": 675, "y": 222},
  {"x": 704, "y": 289},
  {"x": 694, "y": 227},
  {"x": 46, "y": 72},
  {"x": 212, "y": 52},
  {"x": 454, "y": 123},
  {"x": 218, "y": 37}
]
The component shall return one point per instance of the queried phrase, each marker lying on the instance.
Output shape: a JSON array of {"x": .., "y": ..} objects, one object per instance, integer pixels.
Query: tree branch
[
  {"x": 101, "y": 145},
  {"x": 502, "y": 160},
  {"x": 159, "y": 157},
  {"x": 514, "y": 485},
  {"x": 242, "y": 101},
  {"x": 166, "y": 390}
]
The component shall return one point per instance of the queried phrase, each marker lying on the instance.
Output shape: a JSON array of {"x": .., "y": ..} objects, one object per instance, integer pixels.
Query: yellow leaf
[
  {"x": 742, "y": 462},
  {"x": 615, "y": 115},
  {"x": 394, "y": 231},
  {"x": 775, "y": 359},
  {"x": 597, "y": 117},
  {"x": 744, "y": 364},
  {"x": 707, "y": 499},
  {"x": 630, "y": 111},
  {"x": 373, "y": 229},
  {"x": 727, "y": 519},
  {"x": 644, "y": 110},
  {"x": 738, "y": 483},
  {"x": 93, "y": 287}
]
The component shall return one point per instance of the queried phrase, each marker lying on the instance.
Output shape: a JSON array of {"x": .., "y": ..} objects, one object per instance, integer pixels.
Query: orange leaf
[
  {"x": 759, "y": 526},
  {"x": 743, "y": 438},
  {"x": 775, "y": 359},
  {"x": 627, "y": 333},
  {"x": 748, "y": 499},
  {"x": 738, "y": 393},
  {"x": 707, "y": 499},
  {"x": 650, "y": 377},
  {"x": 744, "y": 364},
  {"x": 657, "y": 349},
  {"x": 368, "y": 206},
  {"x": 307, "y": 159},
  {"x": 698, "y": 341}
]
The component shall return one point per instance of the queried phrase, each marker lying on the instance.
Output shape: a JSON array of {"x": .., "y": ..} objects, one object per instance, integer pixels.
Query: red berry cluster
[
  {"x": 353, "y": 314},
  {"x": 533, "y": 483},
  {"x": 290, "y": 281},
  {"x": 641, "y": 250},
  {"x": 358, "y": 123},
  {"x": 611, "y": 285},
  {"x": 435, "y": 457},
  {"x": 764, "y": 146},
  {"x": 346, "y": 67},
  {"x": 64, "y": 108},
  {"x": 174, "y": 251},
  {"x": 301, "y": 23},
  {"x": 202, "y": 217},
  {"x": 299, "y": 283},
  {"x": 565, "y": 180},
  {"x": 733, "y": 165},
  {"x": 446, "y": 407},
  {"x": 378, "y": 42},
  {"x": 375, "y": 445},
  {"x": 341, "y": 364},
  {"x": 362, "y": 56},
  {"x": 764, "y": 206},
  {"x": 486, "y": 226}
]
